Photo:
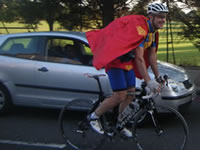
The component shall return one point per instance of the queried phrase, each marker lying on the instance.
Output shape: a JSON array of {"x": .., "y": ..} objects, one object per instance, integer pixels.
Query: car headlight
[
  {"x": 186, "y": 77},
  {"x": 176, "y": 86}
]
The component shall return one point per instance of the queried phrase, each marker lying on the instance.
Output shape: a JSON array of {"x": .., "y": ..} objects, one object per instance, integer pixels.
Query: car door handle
[{"x": 43, "y": 69}]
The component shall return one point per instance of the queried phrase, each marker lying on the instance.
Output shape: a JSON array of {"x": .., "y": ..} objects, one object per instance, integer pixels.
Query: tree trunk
[
  {"x": 108, "y": 11},
  {"x": 50, "y": 23}
]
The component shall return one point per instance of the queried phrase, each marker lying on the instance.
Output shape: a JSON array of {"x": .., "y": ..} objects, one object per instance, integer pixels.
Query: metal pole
[
  {"x": 170, "y": 34},
  {"x": 5, "y": 27},
  {"x": 172, "y": 41},
  {"x": 167, "y": 33}
]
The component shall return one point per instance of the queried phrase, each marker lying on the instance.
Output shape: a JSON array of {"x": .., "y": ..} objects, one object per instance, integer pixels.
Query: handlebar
[
  {"x": 148, "y": 96},
  {"x": 149, "y": 93}
]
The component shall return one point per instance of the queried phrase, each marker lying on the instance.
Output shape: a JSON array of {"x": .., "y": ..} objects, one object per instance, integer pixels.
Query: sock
[{"x": 94, "y": 116}]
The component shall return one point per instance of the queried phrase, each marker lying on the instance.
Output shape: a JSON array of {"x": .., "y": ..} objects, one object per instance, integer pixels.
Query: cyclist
[{"x": 125, "y": 48}]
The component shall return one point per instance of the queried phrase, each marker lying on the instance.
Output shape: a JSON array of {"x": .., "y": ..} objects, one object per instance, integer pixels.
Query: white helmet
[{"x": 156, "y": 8}]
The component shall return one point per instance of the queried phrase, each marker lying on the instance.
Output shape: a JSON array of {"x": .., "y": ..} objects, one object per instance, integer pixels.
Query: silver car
[{"x": 46, "y": 69}]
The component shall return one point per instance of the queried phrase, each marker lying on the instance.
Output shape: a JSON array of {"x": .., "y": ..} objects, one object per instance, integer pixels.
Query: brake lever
[{"x": 166, "y": 79}]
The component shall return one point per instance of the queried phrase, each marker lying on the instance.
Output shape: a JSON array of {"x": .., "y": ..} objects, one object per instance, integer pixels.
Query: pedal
[
  {"x": 79, "y": 131},
  {"x": 110, "y": 132}
]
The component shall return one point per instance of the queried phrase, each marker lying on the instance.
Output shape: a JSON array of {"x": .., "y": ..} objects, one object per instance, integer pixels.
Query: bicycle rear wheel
[
  {"x": 174, "y": 134},
  {"x": 75, "y": 129}
]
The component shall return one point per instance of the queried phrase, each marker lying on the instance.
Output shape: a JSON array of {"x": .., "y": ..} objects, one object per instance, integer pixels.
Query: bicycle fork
[{"x": 158, "y": 129}]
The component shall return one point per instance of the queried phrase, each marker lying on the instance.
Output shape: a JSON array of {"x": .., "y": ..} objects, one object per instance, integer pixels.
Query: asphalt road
[{"x": 37, "y": 129}]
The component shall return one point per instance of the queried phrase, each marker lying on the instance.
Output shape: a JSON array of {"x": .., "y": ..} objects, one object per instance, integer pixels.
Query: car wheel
[{"x": 5, "y": 99}]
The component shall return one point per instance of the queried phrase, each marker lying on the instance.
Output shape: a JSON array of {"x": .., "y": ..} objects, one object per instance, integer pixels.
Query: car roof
[{"x": 71, "y": 34}]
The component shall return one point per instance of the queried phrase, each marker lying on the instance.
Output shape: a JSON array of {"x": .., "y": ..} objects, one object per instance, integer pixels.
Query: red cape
[{"x": 118, "y": 38}]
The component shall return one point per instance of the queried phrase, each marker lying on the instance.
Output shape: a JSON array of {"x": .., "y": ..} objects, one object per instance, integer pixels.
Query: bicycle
[{"x": 169, "y": 135}]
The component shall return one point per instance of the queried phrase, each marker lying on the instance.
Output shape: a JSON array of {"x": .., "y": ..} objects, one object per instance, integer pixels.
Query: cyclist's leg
[
  {"x": 130, "y": 82},
  {"x": 105, "y": 106},
  {"x": 128, "y": 78},
  {"x": 171, "y": 130},
  {"x": 127, "y": 104},
  {"x": 118, "y": 83}
]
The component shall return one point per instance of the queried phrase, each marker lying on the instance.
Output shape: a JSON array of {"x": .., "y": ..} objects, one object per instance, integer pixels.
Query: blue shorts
[{"x": 121, "y": 79}]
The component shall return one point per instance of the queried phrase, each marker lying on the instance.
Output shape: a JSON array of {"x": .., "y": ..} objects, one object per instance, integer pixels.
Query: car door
[
  {"x": 60, "y": 76},
  {"x": 18, "y": 64}
]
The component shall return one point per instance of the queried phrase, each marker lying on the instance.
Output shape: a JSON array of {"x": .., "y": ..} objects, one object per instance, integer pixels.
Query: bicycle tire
[
  {"x": 175, "y": 132},
  {"x": 76, "y": 138}
]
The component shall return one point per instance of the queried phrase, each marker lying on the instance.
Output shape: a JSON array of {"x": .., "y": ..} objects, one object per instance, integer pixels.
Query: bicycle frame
[
  {"x": 147, "y": 104},
  {"x": 101, "y": 95}
]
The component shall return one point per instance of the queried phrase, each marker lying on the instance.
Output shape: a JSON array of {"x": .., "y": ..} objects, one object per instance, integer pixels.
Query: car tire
[{"x": 5, "y": 99}]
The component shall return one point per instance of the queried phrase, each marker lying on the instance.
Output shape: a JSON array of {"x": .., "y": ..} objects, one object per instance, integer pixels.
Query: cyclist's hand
[{"x": 154, "y": 86}]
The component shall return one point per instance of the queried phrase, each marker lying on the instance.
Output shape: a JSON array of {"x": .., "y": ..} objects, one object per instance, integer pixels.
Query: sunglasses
[{"x": 161, "y": 16}]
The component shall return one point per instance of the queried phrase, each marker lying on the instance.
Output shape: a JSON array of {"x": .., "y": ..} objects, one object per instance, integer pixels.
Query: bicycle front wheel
[
  {"x": 167, "y": 131},
  {"x": 75, "y": 129}
]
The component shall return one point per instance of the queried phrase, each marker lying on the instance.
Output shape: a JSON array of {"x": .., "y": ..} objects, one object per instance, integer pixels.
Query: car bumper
[{"x": 180, "y": 103}]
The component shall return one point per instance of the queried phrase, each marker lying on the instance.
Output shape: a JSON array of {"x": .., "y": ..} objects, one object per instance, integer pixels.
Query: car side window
[
  {"x": 88, "y": 56},
  {"x": 23, "y": 47},
  {"x": 65, "y": 50}
]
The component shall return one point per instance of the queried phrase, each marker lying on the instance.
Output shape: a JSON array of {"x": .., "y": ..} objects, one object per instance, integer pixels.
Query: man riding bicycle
[{"x": 125, "y": 48}]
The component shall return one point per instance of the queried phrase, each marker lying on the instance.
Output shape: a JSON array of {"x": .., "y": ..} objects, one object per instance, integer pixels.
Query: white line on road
[{"x": 48, "y": 145}]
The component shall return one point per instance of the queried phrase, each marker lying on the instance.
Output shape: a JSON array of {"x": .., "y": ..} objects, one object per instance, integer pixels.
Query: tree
[
  {"x": 191, "y": 20},
  {"x": 7, "y": 11},
  {"x": 91, "y": 13},
  {"x": 29, "y": 12},
  {"x": 102, "y": 12},
  {"x": 107, "y": 9},
  {"x": 140, "y": 7},
  {"x": 33, "y": 11},
  {"x": 51, "y": 10},
  {"x": 72, "y": 14},
  {"x": 67, "y": 14},
  {"x": 73, "y": 18}
]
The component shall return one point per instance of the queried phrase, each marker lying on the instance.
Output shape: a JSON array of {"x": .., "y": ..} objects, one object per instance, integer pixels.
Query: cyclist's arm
[
  {"x": 140, "y": 62},
  {"x": 153, "y": 61}
]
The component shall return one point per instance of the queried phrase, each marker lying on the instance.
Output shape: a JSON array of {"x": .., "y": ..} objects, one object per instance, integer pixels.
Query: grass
[
  {"x": 186, "y": 53},
  {"x": 42, "y": 26}
]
